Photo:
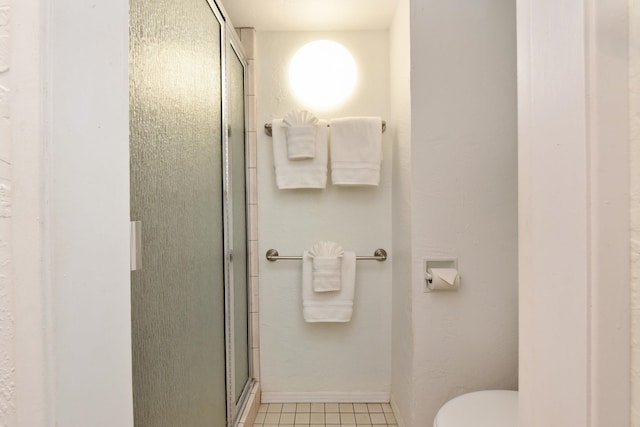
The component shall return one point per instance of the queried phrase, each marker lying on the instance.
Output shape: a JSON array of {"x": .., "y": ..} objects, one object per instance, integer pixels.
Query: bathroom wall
[
  {"x": 87, "y": 192},
  {"x": 574, "y": 213},
  {"x": 69, "y": 213},
  {"x": 634, "y": 146},
  {"x": 464, "y": 198},
  {"x": 402, "y": 332},
  {"x": 553, "y": 247},
  {"x": 342, "y": 361},
  {"x": 7, "y": 314}
]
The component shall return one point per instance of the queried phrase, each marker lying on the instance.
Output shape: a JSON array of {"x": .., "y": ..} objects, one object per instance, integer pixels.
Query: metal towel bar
[
  {"x": 269, "y": 131},
  {"x": 378, "y": 255}
]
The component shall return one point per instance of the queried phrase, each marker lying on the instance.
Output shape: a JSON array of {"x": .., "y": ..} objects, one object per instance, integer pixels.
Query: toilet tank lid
[{"x": 488, "y": 408}]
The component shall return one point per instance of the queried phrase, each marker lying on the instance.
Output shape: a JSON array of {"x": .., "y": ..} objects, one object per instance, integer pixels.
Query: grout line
[{"x": 325, "y": 415}]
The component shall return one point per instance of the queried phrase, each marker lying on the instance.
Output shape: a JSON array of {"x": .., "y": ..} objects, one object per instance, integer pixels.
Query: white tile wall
[{"x": 247, "y": 37}]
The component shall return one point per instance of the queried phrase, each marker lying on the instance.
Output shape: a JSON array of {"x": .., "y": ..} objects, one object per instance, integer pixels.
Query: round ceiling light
[{"x": 322, "y": 73}]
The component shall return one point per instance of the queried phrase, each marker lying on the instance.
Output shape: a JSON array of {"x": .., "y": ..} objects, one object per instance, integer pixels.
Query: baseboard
[
  {"x": 329, "y": 397},
  {"x": 396, "y": 412}
]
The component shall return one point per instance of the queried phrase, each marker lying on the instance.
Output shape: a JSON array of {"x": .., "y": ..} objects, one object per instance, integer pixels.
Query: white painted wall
[
  {"x": 634, "y": 146},
  {"x": 553, "y": 227},
  {"x": 464, "y": 198},
  {"x": 87, "y": 191},
  {"x": 70, "y": 232},
  {"x": 324, "y": 359},
  {"x": 607, "y": 70},
  {"x": 573, "y": 191},
  {"x": 402, "y": 326},
  {"x": 24, "y": 154},
  {"x": 7, "y": 298}
]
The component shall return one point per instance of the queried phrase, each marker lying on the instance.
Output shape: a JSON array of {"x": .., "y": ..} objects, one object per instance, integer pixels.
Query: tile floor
[{"x": 325, "y": 415}]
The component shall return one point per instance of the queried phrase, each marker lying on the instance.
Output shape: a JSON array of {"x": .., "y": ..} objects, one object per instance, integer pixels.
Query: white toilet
[{"x": 489, "y": 408}]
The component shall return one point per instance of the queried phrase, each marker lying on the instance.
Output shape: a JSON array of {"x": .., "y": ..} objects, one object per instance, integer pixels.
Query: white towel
[
  {"x": 356, "y": 150},
  {"x": 334, "y": 306},
  {"x": 327, "y": 266},
  {"x": 301, "y": 142},
  {"x": 310, "y": 173},
  {"x": 300, "y": 128}
]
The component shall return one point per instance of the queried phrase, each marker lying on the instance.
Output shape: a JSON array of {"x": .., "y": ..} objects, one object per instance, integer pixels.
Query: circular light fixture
[{"x": 322, "y": 73}]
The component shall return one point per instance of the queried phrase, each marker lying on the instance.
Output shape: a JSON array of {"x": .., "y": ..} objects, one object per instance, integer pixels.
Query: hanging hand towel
[
  {"x": 300, "y": 129},
  {"x": 309, "y": 173},
  {"x": 327, "y": 266},
  {"x": 334, "y": 306},
  {"x": 356, "y": 150}
]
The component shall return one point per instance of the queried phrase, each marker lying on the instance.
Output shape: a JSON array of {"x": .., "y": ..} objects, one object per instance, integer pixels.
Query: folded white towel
[
  {"x": 300, "y": 128},
  {"x": 329, "y": 306},
  {"x": 310, "y": 173},
  {"x": 327, "y": 272},
  {"x": 327, "y": 266},
  {"x": 356, "y": 150},
  {"x": 301, "y": 142}
]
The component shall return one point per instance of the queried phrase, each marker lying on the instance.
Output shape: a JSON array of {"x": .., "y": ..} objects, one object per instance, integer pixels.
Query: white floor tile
[
  {"x": 325, "y": 415},
  {"x": 332, "y": 418},
  {"x": 275, "y": 407},
  {"x": 289, "y": 407},
  {"x": 302, "y": 417},
  {"x": 360, "y": 408},
  {"x": 303, "y": 407},
  {"x": 363, "y": 419},
  {"x": 378, "y": 418},
  {"x": 287, "y": 418},
  {"x": 272, "y": 418},
  {"x": 374, "y": 407},
  {"x": 317, "y": 407},
  {"x": 346, "y": 407}
]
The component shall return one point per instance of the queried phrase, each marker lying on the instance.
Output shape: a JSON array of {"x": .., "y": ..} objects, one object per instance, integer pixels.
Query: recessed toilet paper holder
[{"x": 437, "y": 263}]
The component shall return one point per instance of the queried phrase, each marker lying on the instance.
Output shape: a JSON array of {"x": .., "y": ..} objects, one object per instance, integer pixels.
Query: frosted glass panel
[
  {"x": 238, "y": 183},
  {"x": 176, "y": 192}
]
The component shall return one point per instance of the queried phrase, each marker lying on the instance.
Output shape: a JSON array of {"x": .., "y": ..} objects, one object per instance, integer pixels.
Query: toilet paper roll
[{"x": 444, "y": 279}]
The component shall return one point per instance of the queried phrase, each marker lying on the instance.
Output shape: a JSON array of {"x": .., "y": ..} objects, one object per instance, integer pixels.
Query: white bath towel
[
  {"x": 310, "y": 173},
  {"x": 327, "y": 266},
  {"x": 356, "y": 150},
  {"x": 300, "y": 128},
  {"x": 334, "y": 306}
]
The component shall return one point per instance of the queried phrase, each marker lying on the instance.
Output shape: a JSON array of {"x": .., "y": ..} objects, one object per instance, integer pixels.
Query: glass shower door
[
  {"x": 239, "y": 262},
  {"x": 178, "y": 305}
]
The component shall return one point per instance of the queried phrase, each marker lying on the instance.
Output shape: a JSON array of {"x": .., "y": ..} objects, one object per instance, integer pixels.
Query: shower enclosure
[{"x": 190, "y": 329}]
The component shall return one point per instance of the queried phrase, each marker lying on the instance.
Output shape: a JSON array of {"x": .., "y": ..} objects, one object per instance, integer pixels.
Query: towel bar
[
  {"x": 378, "y": 255},
  {"x": 269, "y": 131}
]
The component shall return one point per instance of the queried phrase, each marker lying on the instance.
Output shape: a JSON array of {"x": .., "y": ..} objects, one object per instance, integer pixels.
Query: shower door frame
[{"x": 231, "y": 44}]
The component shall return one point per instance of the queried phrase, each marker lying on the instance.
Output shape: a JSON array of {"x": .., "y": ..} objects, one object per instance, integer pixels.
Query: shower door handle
[{"x": 136, "y": 245}]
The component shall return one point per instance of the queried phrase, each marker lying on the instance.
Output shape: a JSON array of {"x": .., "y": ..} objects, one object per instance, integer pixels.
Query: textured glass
[
  {"x": 239, "y": 201},
  {"x": 176, "y": 192}
]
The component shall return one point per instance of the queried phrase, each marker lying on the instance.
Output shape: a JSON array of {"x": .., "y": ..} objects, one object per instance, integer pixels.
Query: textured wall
[
  {"x": 464, "y": 184},
  {"x": 7, "y": 326},
  {"x": 323, "y": 358},
  {"x": 402, "y": 335},
  {"x": 634, "y": 117}
]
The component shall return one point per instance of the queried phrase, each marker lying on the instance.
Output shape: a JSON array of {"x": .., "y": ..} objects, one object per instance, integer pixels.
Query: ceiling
[{"x": 311, "y": 15}]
